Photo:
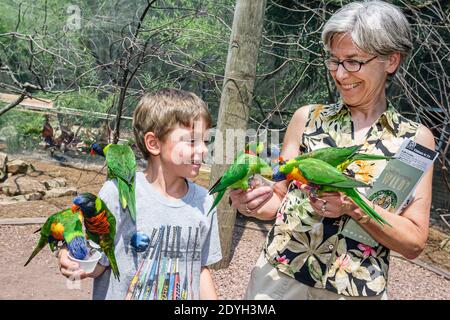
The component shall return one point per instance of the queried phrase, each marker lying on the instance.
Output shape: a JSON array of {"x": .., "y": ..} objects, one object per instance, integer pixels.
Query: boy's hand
[{"x": 70, "y": 269}]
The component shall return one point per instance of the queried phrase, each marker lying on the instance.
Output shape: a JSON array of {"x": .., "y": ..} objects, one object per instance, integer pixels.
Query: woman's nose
[{"x": 341, "y": 73}]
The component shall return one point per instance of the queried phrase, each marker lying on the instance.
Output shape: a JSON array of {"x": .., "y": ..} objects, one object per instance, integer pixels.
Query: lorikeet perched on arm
[
  {"x": 327, "y": 178},
  {"x": 121, "y": 163},
  {"x": 63, "y": 226},
  {"x": 100, "y": 225},
  {"x": 237, "y": 175}
]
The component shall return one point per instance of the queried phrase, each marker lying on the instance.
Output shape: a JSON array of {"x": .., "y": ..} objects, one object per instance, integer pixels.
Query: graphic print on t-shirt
[{"x": 166, "y": 266}]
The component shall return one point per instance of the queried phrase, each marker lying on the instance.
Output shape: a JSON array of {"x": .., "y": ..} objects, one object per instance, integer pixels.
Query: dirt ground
[{"x": 41, "y": 278}]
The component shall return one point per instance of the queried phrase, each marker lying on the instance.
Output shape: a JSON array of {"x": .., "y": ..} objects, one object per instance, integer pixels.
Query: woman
[{"x": 305, "y": 256}]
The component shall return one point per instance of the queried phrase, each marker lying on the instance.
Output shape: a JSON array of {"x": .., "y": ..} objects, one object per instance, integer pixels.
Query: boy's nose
[{"x": 203, "y": 149}]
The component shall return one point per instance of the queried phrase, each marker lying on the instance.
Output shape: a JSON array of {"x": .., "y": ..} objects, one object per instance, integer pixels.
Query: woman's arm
[
  {"x": 263, "y": 202},
  {"x": 207, "y": 289},
  {"x": 409, "y": 231}
]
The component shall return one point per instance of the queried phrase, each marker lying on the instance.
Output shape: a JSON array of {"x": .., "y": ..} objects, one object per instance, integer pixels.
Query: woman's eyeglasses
[{"x": 350, "y": 65}]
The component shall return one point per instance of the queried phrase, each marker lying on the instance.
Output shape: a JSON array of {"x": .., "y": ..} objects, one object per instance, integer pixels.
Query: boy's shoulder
[{"x": 199, "y": 191}]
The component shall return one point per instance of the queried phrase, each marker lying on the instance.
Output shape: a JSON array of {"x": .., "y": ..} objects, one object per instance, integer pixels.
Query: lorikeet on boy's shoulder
[{"x": 121, "y": 164}]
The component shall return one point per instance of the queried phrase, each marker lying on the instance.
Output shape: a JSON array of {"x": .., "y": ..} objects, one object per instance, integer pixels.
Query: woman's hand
[
  {"x": 248, "y": 202},
  {"x": 332, "y": 204}
]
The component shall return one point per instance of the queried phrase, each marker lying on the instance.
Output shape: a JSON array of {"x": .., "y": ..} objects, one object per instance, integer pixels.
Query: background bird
[
  {"x": 100, "y": 225},
  {"x": 65, "y": 226},
  {"x": 121, "y": 164}
]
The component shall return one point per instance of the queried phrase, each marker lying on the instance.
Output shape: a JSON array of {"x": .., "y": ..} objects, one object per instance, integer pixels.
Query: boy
[{"x": 172, "y": 241}]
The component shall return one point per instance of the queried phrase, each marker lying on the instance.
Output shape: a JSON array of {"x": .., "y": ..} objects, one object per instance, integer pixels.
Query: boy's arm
[{"x": 207, "y": 289}]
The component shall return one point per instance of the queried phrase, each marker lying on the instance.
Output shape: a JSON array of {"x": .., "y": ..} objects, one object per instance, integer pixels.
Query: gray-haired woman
[{"x": 305, "y": 255}]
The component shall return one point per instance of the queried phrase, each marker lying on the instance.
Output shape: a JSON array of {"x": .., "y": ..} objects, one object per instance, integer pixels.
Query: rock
[
  {"x": 55, "y": 183},
  {"x": 18, "y": 166},
  {"x": 60, "y": 192},
  {"x": 3, "y": 166},
  {"x": 17, "y": 185},
  {"x": 34, "y": 196},
  {"x": 12, "y": 200},
  {"x": 445, "y": 245}
]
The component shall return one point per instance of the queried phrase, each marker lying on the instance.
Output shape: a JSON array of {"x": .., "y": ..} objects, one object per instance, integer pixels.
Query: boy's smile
[{"x": 183, "y": 150}]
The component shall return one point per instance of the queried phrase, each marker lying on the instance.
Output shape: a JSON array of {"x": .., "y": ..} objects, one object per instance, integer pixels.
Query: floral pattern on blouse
[{"x": 310, "y": 248}]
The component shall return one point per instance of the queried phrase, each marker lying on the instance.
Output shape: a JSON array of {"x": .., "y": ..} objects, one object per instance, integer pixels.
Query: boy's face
[{"x": 184, "y": 149}]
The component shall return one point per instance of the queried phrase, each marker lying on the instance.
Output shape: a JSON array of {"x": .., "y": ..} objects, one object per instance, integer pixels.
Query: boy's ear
[{"x": 152, "y": 144}]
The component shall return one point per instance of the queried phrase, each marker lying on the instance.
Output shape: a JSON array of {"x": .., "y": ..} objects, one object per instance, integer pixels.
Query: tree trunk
[{"x": 235, "y": 103}]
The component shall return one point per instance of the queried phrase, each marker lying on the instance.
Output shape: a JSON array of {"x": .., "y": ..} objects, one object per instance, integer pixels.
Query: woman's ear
[
  {"x": 152, "y": 144},
  {"x": 393, "y": 62}
]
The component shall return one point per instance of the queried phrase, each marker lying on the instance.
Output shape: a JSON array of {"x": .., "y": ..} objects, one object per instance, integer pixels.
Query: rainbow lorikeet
[
  {"x": 338, "y": 157},
  {"x": 65, "y": 226},
  {"x": 326, "y": 178},
  {"x": 100, "y": 225},
  {"x": 121, "y": 164},
  {"x": 237, "y": 175}
]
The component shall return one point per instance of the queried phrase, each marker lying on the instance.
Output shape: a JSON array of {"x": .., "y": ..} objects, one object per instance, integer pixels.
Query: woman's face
[{"x": 366, "y": 86}]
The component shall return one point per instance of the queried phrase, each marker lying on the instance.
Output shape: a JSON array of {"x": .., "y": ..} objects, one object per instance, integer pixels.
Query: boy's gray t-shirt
[{"x": 183, "y": 239}]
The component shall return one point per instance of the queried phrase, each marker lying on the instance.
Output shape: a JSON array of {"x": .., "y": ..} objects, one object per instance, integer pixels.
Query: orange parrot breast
[
  {"x": 57, "y": 230},
  {"x": 296, "y": 175}
]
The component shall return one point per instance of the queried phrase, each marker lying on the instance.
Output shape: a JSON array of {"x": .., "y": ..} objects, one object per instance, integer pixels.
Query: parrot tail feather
[
  {"x": 365, "y": 156},
  {"x": 353, "y": 194},
  {"x": 216, "y": 201},
  {"x": 213, "y": 187},
  {"x": 113, "y": 263},
  {"x": 126, "y": 199},
  {"x": 42, "y": 242}
]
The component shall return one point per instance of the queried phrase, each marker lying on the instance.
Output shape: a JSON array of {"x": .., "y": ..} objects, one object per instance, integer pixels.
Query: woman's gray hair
[{"x": 376, "y": 27}]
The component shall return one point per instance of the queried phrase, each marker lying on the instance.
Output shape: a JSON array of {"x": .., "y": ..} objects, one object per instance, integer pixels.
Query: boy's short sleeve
[{"x": 211, "y": 250}]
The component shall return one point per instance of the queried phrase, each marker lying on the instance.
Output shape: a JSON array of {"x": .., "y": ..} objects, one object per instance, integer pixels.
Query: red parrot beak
[{"x": 75, "y": 208}]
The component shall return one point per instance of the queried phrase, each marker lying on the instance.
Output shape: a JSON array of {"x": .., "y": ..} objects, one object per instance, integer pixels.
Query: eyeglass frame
[{"x": 361, "y": 63}]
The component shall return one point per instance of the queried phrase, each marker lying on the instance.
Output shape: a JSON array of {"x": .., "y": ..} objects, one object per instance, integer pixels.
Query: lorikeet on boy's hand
[
  {"x": 237, "y": 175},
  {"x": 63, "y": 226},
  {"x": 121, "y": 163},
  {"x": 337, "y": 157},
  {"x": 316, "y": 172},
  {"x": 100, "y": 225}
]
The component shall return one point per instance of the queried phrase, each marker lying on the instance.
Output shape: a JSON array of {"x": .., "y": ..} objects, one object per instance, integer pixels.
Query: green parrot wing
[
  {"x": 331, "y": 155},
  {"x": 121, "y": 162},
  {"x": 321, "y": 173},
  {"x": 73, "y": 228}
]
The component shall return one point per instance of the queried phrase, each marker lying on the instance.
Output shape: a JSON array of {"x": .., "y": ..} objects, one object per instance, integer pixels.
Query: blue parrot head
[
  {"x": 97, "y": 148},
  {"x": 86, "y": 203}
]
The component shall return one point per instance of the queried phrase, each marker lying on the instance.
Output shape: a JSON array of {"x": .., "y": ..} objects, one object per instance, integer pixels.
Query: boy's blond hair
[{"x": 161, "y": 112}]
